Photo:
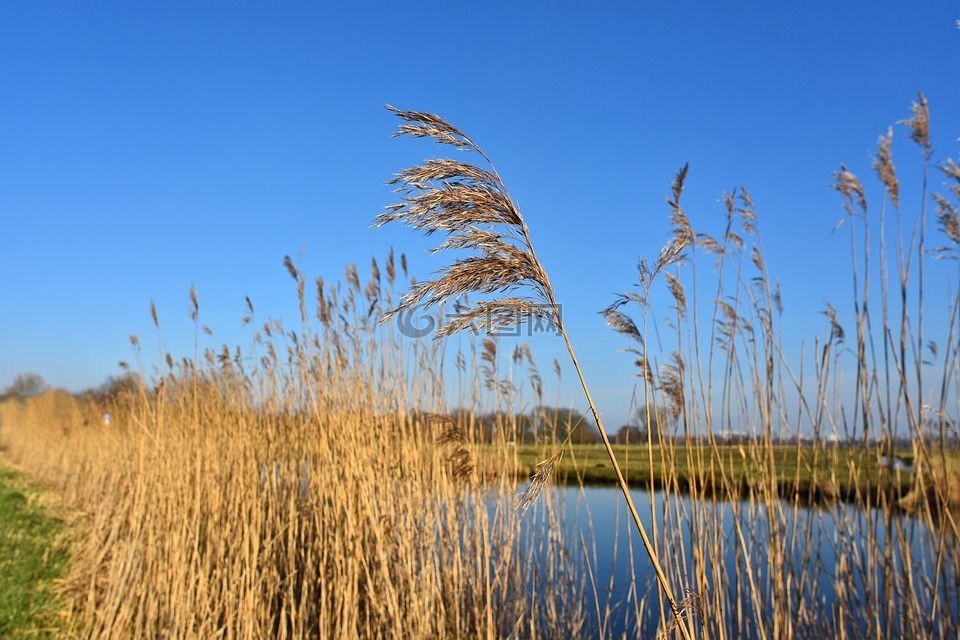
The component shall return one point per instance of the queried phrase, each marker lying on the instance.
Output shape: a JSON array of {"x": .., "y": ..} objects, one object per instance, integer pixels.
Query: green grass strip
[
  {"x": 31, "y": 558},
  {"x": 848, "y": 470}
]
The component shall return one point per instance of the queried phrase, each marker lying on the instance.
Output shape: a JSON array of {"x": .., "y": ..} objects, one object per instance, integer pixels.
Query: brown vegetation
[
  {"x": 314, "y": 484},
  {"x": 287, "y": 491}
]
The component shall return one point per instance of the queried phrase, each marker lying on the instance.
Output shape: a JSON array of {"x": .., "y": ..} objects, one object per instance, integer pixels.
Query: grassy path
[{"x": 31, "y": 557}]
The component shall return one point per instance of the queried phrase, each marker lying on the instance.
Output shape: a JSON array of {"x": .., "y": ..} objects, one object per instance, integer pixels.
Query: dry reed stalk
[
  {"x": 225, "y": 502},
  {"x": 900, "y": 584},
  {"x": 472, "y": 208}
]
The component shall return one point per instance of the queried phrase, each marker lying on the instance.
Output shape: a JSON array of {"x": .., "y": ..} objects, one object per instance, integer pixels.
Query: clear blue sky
[{"x": 147, "y": 146}]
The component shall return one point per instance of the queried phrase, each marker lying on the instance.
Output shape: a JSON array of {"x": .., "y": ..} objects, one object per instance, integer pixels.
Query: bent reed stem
[
  {"x": 472, "y": 208},
  {"x": 621, "y": 482}
]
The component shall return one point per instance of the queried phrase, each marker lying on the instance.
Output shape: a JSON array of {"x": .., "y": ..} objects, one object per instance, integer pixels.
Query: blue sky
[{"x": 145, "y": 147}]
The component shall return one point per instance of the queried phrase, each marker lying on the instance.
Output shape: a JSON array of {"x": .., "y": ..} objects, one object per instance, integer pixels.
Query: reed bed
[
  {"x": 314, "y": 483},
  {"x": 755, "y": 565},
  {"x": 298, "y": 488}
]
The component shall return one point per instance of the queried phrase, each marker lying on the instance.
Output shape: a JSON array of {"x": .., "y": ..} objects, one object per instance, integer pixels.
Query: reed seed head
[
  {"x": 621, "y": 322},
  {"x": 540, "y": 480},
  {"x": 194, "y": 303},
  {"x": 952, "y": 171},
  {"x": 883, "y": 164},
  {"x": 919, "y": 124},
  {"x": 390, "y": 269},
  {"x": 948, "y": 218},
  {"x": 836, "y": 331},
  {"x": 471, "y": 207},
  {"x": 849, "y": 185}
]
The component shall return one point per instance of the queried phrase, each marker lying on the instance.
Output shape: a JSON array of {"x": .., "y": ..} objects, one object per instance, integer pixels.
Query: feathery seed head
[
  {"x": 848, "y": 185},
  {"x": 540, "y": 480},
  {"x": 471, "y": 206},
  {"x": 677, "y": 291},
  {"x": 952, "y": 171},
  {"x": 919, "y": 124},
  {"x": 949, "y": 219},
  {"x": 351, "y": 276},
  {"x": 836, "y": 331},
  {"x": 883, "y": 164},
  {"x": 194, "y": 304},
  {"x": 390, "y": 269},
  {"x": 621, "y": 322},
  {"x": 292, "y": 270}
]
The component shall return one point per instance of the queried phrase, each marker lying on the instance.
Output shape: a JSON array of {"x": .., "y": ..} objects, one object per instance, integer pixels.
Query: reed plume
[{"x": 471, "y": 206}]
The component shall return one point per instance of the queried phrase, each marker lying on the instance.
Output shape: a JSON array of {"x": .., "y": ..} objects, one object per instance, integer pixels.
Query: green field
[
  {"x": 31, "y": 558},
  {"x": 842, "y": 472}
]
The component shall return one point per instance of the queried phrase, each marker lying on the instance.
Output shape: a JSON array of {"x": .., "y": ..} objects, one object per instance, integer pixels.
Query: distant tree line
[
  {"x": 115, "y": 388},
  {"x": 650, "y": 424},
  {"x": 542, "y": 424},
  {"x": 26, "y": 385}
]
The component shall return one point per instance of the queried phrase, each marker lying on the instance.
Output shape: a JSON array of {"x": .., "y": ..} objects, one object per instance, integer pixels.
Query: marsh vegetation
[{"x": 316, "y": 483}]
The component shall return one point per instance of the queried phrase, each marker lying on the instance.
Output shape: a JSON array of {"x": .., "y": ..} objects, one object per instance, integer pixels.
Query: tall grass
[
  {"x": 295, "y": 488},
  {"x": 314, "y": 482},
  {"x": 471, "y": 207},
  {"x": 722, "y": 366}
]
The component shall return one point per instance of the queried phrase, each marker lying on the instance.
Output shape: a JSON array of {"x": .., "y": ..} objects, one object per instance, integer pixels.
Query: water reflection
[{"x": 812, "y": 570}]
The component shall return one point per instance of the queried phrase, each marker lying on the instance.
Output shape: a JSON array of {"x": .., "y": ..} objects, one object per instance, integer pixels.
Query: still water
[{"x": 832, "y": 566}]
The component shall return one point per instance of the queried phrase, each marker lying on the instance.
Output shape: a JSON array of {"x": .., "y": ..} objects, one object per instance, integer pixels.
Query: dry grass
[
  {"x": 314, "y": 484},
  {"x": 722, "y": 367},
  {"x": 473, "y": 209},
  {"x": 289, "y": 490}
]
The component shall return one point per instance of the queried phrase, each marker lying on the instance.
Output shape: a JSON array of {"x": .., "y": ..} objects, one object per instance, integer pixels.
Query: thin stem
[{"x": 621, "y": 482}]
